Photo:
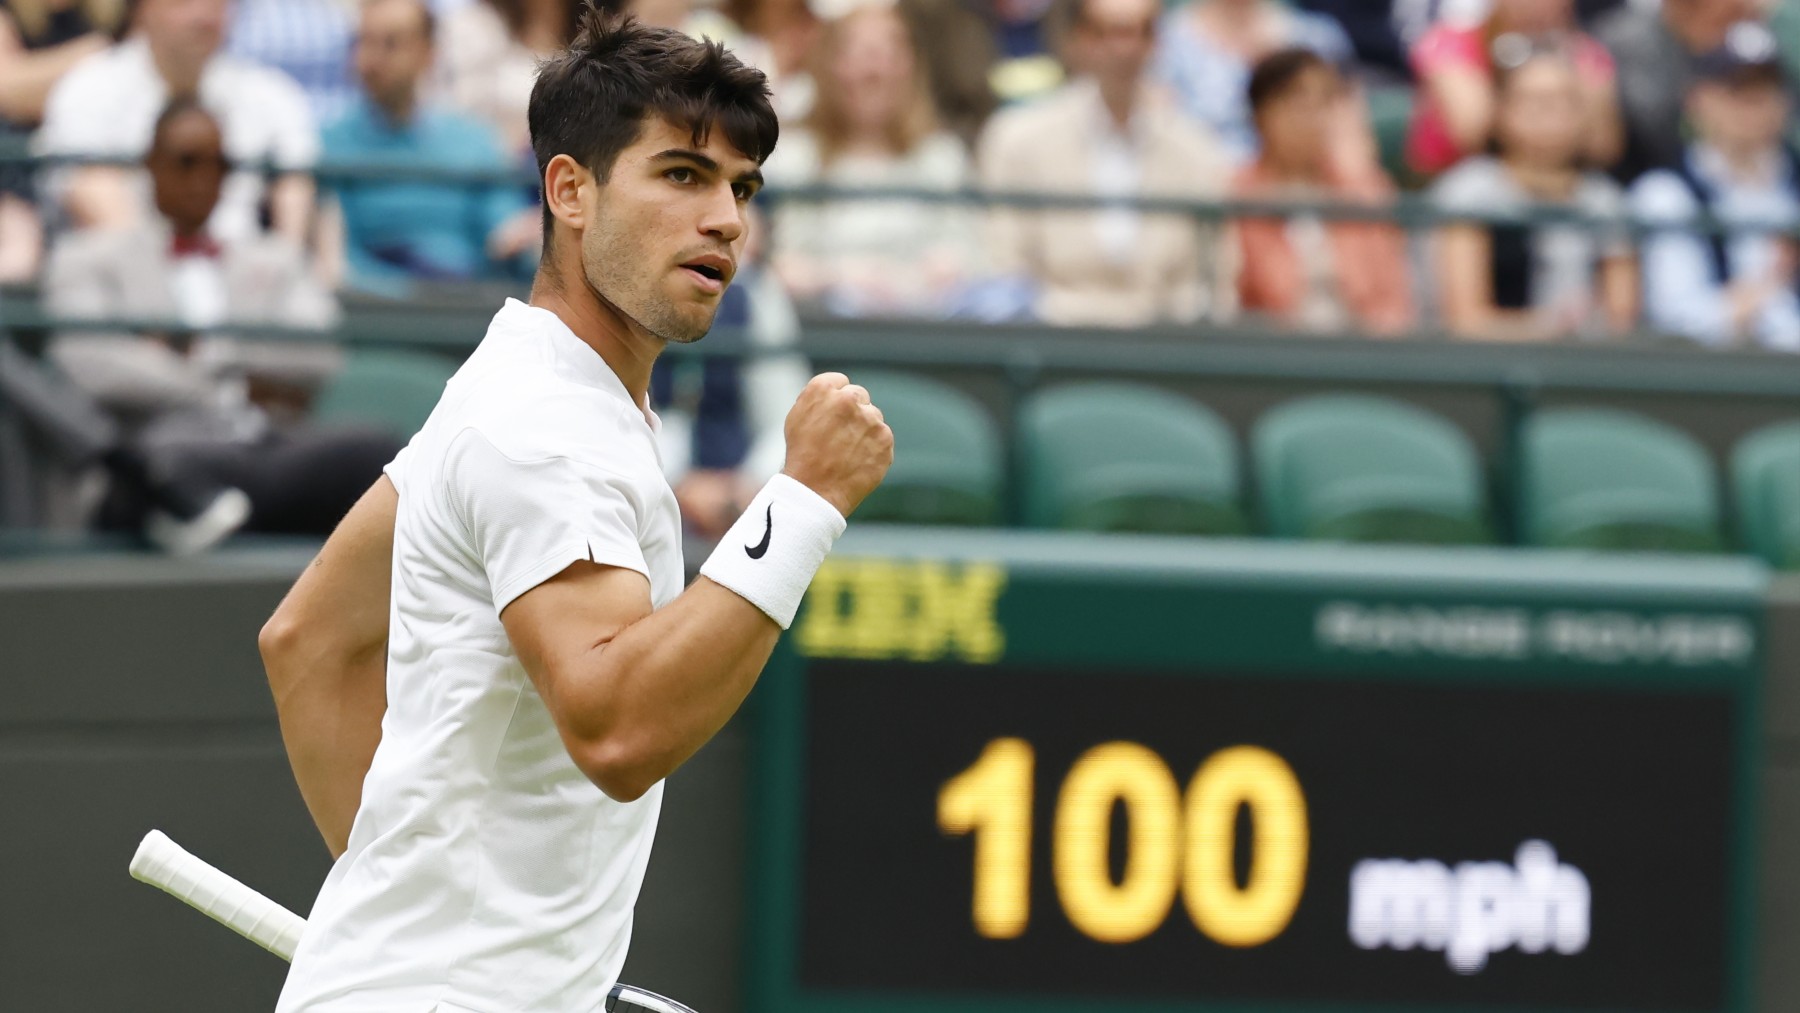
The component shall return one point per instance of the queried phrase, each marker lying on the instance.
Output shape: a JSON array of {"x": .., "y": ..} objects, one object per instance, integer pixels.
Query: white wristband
[{"x": 770, "y": 555}]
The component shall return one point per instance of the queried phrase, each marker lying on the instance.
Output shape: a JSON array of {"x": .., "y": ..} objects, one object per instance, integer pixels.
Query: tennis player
[{"x": 492, "y": 802}]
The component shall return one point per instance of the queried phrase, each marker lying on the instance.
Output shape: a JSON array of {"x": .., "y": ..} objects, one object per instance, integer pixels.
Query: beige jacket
[
  {"x": 129, "y": 274},
  {"x": 1175, "y": 269}
]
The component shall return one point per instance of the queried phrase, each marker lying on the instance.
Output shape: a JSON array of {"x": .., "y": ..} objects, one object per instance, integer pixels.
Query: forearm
[
  {"x": 27, "y": 76},
  {"x": 330, "y": 711},
  {"x": 642, "y": 703}
]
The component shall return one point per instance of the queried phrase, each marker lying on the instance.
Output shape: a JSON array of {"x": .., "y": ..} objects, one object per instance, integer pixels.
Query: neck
[
  {"x": 626, "y": 348},
  {"x": 1228, "y": 14},
  {"x": 1283, "y": 170},
  {"x": 1542, "y": 180},
  {"x": 187, "y": 230},
  {"x": 181, "y": 75},
  {"x": 398, "y": 108},
  {"x": 1120, "y": 99}
]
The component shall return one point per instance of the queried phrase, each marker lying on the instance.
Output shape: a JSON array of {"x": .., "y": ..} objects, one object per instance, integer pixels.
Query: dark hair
[
  {"x": 176, "y": 108},
  {"x": 590, "y": 102},
  {"x": 1277, "y": 72}
]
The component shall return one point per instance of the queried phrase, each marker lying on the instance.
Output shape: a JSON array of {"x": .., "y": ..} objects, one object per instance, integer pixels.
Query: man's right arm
[
  {"x": 325, "y": 649},
  {"x": 635, "y": 692}
]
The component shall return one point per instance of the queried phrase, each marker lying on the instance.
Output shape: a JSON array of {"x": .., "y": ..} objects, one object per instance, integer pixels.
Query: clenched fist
[{"x": 837, "y": 444}]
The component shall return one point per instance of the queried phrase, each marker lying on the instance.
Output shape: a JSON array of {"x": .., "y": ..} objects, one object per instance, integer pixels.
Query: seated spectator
[
  {"x": 1531, "y": 282},
  {"x": 185, "y": 389},
  {"x": 396, "y": 230},
  {"x": 1304, "y": 272},
  {"x": 308, "y": 40},
  {"x": 488, "y": 55},
  {"x": 1736, "y": 288},
  {"x": 106, "y": 107},
  {"x": 1456, "y": 63},
  {"x": 1655, "y": 47},
  {"x": 40, "y": 40},
  {"x": 872, "y": 126},
  {"x": 1207, "y": 48},
  {"x": 778, "y": 39},
  {"x": 1110, "y": 132}
]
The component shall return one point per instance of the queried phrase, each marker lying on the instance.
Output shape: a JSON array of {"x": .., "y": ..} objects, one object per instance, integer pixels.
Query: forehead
[
  {"x": 1119, "y": 12},
  {"x": 392, "y": 15},
  {"x": 658, "y": 135}
]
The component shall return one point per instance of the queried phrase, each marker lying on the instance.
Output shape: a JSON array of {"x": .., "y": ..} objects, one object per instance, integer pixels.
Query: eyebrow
[{"x": 706, "y": 162}]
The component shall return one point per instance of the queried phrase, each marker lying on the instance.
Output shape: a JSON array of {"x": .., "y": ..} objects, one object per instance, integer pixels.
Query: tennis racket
[{"x": 168, "y": 866}]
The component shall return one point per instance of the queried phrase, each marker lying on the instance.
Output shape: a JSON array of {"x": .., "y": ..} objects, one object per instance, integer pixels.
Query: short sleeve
[
  {"x": 395, "y": 470},
  {"x": 529, "y": 519}
]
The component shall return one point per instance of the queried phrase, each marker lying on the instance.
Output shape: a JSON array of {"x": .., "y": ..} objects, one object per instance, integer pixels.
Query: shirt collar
[{"x": 574, "y": 357}]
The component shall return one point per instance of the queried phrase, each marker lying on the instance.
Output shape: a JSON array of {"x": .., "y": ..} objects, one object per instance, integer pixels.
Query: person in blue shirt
[
  {"x": 1737, "y": 287},
  {"x": 397, "y": 230}
]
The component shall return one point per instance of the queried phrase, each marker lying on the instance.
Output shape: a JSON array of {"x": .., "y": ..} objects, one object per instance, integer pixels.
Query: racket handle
[{"x": 166, "y": 865}]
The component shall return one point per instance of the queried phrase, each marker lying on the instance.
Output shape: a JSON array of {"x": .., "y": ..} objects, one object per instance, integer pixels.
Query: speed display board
[{"x": 1222, "y": 779}]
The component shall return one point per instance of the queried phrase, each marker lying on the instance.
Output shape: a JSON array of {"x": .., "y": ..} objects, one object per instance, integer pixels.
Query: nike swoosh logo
[{"x": 756, "y": 551}]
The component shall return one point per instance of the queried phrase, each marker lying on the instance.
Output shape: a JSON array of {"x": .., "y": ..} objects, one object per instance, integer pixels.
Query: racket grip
[{"x": 166, "y": 865}]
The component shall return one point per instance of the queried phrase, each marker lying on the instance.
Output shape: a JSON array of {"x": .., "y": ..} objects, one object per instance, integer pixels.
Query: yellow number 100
[{"x": 1170, "y": 846}]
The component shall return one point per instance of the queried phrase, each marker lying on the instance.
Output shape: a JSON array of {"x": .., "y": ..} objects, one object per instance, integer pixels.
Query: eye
[
  {"x": 743, "y": 191},
  {"x": 680, "y": 174}
]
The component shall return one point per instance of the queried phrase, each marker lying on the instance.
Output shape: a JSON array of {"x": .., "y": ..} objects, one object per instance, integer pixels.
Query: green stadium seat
[
  {"x": 1128, "y": 457},
  {"x": 947, "y": 462},
  {"x": 1765, "y": 478},
  {"x": 392, "y": 390},
  {"x": 1358, "y": 468},
  {"x": 1603, "y": 479},
  {"x": 1390, "y": 116}
]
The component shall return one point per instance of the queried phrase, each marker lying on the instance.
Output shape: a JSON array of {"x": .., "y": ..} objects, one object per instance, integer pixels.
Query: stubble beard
[{"x": 610, "y": 264}]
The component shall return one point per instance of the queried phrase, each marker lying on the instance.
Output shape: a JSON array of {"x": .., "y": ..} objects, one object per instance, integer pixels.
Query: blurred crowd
[{"x": 196, "y": 155}]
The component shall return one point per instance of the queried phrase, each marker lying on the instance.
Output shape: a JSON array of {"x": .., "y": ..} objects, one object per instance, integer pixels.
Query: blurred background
[{"x": 1339, "y": 554}]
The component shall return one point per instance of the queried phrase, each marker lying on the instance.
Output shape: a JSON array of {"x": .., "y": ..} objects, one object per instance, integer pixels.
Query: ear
[{"x": 565, "y": 184}]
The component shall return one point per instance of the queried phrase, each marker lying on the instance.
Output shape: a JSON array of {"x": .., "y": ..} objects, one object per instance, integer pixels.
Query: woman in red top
[
  {"x": 1305, "y": 272},
  {"x": 1455, "y": 64}
]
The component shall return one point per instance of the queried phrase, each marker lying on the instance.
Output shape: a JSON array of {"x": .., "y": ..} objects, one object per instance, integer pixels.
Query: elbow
[{"x": 625, "y": 773}]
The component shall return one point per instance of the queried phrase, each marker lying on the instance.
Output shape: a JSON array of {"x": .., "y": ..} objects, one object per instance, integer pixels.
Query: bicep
[
  {"x": 554, "y": 625},
  {"x": 1463, "y": 255}
]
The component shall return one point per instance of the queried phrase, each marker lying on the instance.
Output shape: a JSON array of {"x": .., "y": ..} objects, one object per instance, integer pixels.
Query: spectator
[
  {"x": 1300, "y": 270},
  {"x": 1526, "y": 281},
  {"x": 393, "y": 231},
  {"x": 188, "y": 395},
  {"x": 960, "y": 56},
  {"x": 308, "y": 40},
  {"x": 106, "y": 107},
  {"x": 1373, "y": 30},
  {"x": 1111, "y": 133},
  {"x": 1738, "y": 287},
  {"x": 872, "y": 126},
  {"x": 781, "y": 35},
  {"x": 39, "y": 42},
  {"x": 1207, "y": 48},
  {"x": 1655, "y": 48},
  {"x": 488, "y": 59},
  {"x": 1456, "y": 63}
]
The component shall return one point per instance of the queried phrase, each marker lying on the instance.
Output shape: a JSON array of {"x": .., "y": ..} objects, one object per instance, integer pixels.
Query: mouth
[{"x": 710, "y": 272}]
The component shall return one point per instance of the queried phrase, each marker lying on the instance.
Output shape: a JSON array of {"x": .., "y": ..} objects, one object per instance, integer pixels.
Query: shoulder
[
  {"x": 253, "y": 84},
  {"x": 88, "y": 90},
  {"x": 1662, "y": 192},
  {"x": 1627, "y": 27},
  {"x": 1474, "y": 182},
  {"x": 939, "y": 155},
  {"x": 1031, "y": 119},
  {"x": 1599, "y": 194}
]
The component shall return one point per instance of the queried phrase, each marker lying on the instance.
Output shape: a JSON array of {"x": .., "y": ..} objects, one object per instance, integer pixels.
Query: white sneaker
[{"x": 226, "y": 513}]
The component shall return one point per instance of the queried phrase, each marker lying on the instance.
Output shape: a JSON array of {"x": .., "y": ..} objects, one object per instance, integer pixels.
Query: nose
[{"x": 723, "y": 216}]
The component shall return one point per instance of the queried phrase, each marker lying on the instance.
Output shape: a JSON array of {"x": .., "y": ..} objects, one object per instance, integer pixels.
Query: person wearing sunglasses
[{"x": 176, "y": 379}]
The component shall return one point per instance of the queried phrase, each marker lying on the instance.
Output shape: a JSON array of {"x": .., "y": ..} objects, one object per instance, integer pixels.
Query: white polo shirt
[
  {"x": 484, "y": 872},
  {"x": 107, "y": 105}
]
